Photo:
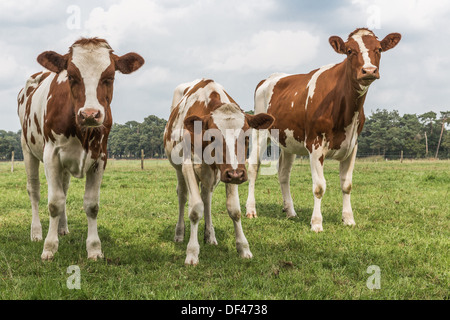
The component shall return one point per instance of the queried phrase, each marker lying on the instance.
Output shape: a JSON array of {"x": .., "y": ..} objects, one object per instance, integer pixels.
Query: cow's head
[
  {"x": 230, "y": 124},
  {"x": 363, "y": 50},
  {"x": 89, "y": 68}
]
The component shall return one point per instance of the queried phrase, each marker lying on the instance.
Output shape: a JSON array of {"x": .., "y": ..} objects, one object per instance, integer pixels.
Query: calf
[
  {"x": 320, "y": 114},
  {"x": 206, "y": 120},
  {"x": 66, "y": 118}
]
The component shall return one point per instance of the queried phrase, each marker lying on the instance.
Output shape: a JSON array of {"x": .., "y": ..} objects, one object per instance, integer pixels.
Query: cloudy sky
[{"x": 235, "y": 42}]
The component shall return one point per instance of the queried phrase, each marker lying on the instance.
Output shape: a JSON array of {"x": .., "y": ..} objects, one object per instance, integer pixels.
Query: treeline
[
  {"x": 127, "y": 140},
  {"x": 385, "y": 134},
  {"x": 9, "y": 142}
]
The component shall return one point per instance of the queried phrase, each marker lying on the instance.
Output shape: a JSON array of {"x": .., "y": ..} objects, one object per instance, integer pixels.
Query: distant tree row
[
  {"x": 9, "y": 142},
  {"x": 385, "y": 133},
  {"x": 127, "y": 140}
]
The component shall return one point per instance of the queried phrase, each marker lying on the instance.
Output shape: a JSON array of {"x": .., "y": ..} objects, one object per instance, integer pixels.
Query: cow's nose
[
  {"x": 90, "y": 117},
  {"x": 90, "y": 114},
  {"x": 236, "y": 176},
  {"x": 370, "y": 71}
]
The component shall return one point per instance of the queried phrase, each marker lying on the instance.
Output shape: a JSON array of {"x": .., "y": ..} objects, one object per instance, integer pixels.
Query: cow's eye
[
  {"x": 349, "y": 51},
  {"x": 108, "y": 80},
  {"x": 72, "y": 79}
]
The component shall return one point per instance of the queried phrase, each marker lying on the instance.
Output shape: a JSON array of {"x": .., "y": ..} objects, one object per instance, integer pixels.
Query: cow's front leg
[
  {"x": 56, "y": 203},
  {"x": 196, "y": 208},
  {"x": 234, "y": 211},
  {"x": 319, "y": 187},
  {"x": 182, "y": 198},
  {"x": 91, "y": 207},
  {"x": 346, "y": 173},
  {"x": 284, "y": 172},
  {"x": 33, "y": 188}
]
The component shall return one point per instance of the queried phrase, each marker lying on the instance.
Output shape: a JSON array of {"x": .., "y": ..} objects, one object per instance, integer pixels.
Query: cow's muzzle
[
  {"x": 368, "y": 75},
  {"x": 90, "y": 118},
  {"x": 237, "y": 176}
]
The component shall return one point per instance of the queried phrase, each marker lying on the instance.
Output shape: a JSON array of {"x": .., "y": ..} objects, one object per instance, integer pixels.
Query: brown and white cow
[
  {"x": 320, "y": 114},
  {"x": 66, "y": 118},
  {"x": 204, "y": 119}
]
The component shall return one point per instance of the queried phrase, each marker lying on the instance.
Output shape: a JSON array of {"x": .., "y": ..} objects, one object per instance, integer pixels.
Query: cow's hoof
[
  {"x": 347, "y": 219},
  {"x": 244, "y": 251},
  {"x": 251, "y": 214},
  {"x": 94, "y": 256},
  {"x": 317, "y": 228},
  {"x": 63, "y": 231},
  {"x": 178, "y": 238},
  {"x": 47, "y": 256},
  {"x": 191, "y": 260},
  {"x": 36, "y": 233}
]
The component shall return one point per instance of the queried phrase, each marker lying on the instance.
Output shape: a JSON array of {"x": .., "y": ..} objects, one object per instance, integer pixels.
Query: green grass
[{"x": 401, "y": 211}]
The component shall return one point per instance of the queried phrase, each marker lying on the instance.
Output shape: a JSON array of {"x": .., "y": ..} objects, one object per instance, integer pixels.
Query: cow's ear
[
  {"x": 390, "y": 41},
  {"x": 189, "y": 123},
  {"x": 128, "y": 63},
  {"x": 260, "y": 121},
  {"x": 338, "y": 44},
  {"x": 53, "y": 61}
]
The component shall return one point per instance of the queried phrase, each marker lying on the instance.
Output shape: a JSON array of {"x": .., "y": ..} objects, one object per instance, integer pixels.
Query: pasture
[{"x": 401, "y": 210}]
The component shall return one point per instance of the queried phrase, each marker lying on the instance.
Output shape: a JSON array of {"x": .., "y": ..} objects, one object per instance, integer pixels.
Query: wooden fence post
[
  {"x": 401, "y": 157},
  {"x": 142, "y": 159},
  {"x": 12, "y": 161},
  {"x": 440, "y": 137}
]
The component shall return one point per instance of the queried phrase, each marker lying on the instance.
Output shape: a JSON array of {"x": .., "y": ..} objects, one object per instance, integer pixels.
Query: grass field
[{"x": 401, "y": 210}]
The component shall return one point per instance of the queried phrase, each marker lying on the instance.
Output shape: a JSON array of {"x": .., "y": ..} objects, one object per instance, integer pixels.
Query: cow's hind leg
[
  {"x": 182, "y": 198},
  {"x": 346, "y": 173},
  {"x": 284, "y": 173},
  {"x": 259, "y": 142},
  {"x": 206, "y": 194},
  {"x": 33, "y": 188},
  {"x": 234, "y": 211},
  {"x": 62, "y": 227}
]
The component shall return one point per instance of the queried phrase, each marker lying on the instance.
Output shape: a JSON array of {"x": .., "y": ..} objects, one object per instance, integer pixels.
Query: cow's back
[
  {"x": 32, "y": 105},
  {"x": 284, "y": 97},
  {"x": 199, "y": 97}
]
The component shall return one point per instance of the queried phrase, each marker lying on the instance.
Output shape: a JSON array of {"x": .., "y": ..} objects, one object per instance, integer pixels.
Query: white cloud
[
  {"x": 267, "y": 50},
  {"x": 417, "y": 15}
]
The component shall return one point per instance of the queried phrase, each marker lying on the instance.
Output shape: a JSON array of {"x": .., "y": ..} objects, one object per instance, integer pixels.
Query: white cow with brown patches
[
  {"x": 66, "y": 119},
  {"x": 206, "y": 142},
  {"x": 320, "y": 114}
]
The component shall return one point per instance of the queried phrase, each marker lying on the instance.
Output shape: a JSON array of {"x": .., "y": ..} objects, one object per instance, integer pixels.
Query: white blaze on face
[
  {"x": 62, "y": 76},
  {"x": 362, "y": 47},
  {"x": 92, "y": 62},
  {"x": 230, "y": 120},
  {"x": 312, "y": 82}
]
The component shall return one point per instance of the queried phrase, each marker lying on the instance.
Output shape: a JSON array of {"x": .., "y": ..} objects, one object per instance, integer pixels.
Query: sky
[{"x": 237, "y": 43}]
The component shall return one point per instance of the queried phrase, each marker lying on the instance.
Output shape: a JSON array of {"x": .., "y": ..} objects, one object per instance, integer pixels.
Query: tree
[
  {"x": 9, "y": 142},
  {"x": 127, "y": 140},
  {"x": 445, "y": 118}
]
